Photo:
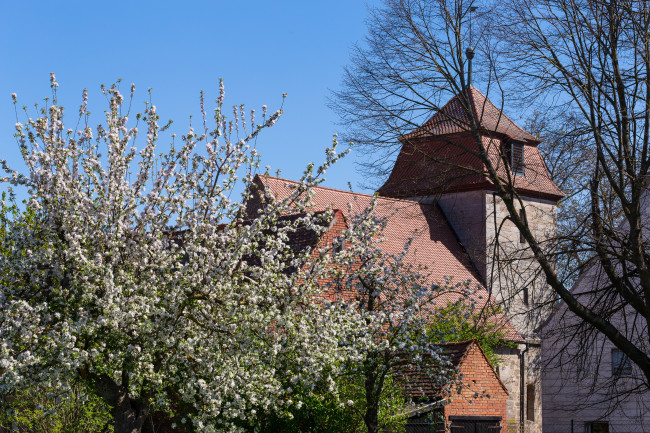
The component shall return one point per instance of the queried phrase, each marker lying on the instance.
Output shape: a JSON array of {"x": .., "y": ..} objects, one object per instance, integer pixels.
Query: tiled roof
[
  {"x": 432, "y": 167},
  {"x": 443, "y": 156},
  {"x": 455, "y": 118},
  {"x": 421, "y": 386},
  {"x": 456, "y": 351},
  {"x": 434, "y": 245}
]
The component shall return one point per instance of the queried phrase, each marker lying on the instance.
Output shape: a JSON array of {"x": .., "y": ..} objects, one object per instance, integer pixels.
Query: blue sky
[{"x": 260, "y": 48}]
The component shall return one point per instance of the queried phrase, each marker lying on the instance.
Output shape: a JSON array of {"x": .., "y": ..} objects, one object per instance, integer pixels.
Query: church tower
[{"x": 439, "y": 163}]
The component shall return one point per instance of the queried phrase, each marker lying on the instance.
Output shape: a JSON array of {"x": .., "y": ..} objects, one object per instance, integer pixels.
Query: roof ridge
[
  {"x": 487, "y": 100},
  {"x": 445, "y": 109},
  {"x": 402, "y": 200},
  {"x": 456, "y": 343},
  {"x": 503, "y": 124}
]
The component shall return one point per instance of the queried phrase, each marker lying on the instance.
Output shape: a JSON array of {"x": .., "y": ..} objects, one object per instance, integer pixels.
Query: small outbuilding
[{"x": 477, "y": 406}]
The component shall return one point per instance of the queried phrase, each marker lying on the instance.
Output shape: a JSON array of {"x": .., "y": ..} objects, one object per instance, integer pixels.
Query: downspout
[
  {"x": 495, "y": 246},
  {"x": 522, "y": 388}
]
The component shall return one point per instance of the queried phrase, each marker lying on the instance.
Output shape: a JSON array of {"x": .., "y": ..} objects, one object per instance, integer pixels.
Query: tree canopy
[
  {"x": 136, "y": 273},
  {"x": 578, "y": 71}
]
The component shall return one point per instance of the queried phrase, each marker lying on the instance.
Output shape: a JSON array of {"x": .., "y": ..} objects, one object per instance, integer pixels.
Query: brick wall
[{"x": 482, "y": 394}]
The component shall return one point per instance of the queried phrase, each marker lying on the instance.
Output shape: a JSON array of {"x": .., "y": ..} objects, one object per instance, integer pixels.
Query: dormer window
[
  {"x": 515, "y": 156},
  {"x": 338, "y": 244}
]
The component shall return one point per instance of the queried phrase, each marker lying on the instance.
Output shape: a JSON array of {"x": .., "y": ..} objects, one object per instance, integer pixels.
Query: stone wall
[
  {"x": 512, "y": 272},
  {"x": 509, "y": 371},
  {"x": 513, "y": 277},
  {"x": 465, "y": 212},
  {"x": 493, "y": 243}
]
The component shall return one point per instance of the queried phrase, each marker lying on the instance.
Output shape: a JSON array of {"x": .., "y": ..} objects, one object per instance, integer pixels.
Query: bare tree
[
  {"x": 411, "y": 62},
  {"x": 585, "y": 64}
]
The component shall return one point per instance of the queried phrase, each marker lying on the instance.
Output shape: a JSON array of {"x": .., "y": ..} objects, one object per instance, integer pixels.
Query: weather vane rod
[{"x": 469, "y": 52}]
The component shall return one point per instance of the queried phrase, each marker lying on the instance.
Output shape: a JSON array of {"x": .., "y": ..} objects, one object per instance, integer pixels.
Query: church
[{"x": 438, "y": 195}]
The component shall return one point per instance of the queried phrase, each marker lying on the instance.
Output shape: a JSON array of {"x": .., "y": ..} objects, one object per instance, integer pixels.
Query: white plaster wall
[{"x": 578, "y": 383}]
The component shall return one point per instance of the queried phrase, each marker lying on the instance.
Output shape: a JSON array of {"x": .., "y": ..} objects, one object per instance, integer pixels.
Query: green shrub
[
  {"x": 322, "y": 411},
  {"x": 39, "y": 410}
]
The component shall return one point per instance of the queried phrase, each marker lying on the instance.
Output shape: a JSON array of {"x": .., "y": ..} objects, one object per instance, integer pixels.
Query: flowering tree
[
  {"x": 395, "y": 357},
  {"x": 139, "y": 276},
  {"x": 396, "y": 301}
]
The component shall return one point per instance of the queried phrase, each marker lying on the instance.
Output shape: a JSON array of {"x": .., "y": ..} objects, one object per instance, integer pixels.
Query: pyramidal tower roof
[
  {"x": 455, "y": 117},
  {"x": 442, "y": 155}
]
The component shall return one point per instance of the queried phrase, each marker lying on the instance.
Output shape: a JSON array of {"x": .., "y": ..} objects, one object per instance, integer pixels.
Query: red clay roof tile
[
  {"x": 454, "y": 118},
  {"x": 434, "y": 246},
  {"x": 443, "y": 156},
  {"x": 436, "y": 166}
]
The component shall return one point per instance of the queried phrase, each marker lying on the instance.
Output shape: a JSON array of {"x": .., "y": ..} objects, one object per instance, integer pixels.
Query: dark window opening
[
  {"x": 621, "y": 365},
  {"x": 515, "y": 157},
  {"x": 597, "y": 427},
  {"x": 525, "y": 296},
  {"x": 432, "y": 421},
  {"x": 530, "y": 402},
  {"x": 475, "y": 424},
  {"x": 338, "y": 244}
]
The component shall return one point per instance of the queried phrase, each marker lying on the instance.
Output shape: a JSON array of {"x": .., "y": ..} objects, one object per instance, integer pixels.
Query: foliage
[
  {"x": 463, "y": 320},
  {"x": 139, "y": 276},
  {"x": 396, "y": 300},
  {"x": 135, "y": 273},
  {"x": 38, "y": 410},
  {"x": 339, "y": 409}
]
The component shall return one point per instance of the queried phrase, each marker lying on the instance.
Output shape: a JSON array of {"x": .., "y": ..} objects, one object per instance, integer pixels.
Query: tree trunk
[
  {"x": 129, "y": 416},
  {"x": 371, "y": 417}
]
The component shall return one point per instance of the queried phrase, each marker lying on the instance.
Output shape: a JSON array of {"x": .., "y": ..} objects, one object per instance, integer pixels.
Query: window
[
  {"x": 530, "y": 402},
  {"x": 597, "y": 427},
  {"x": 338, "y": 244},
  {"x": 621, "y": 365},
  {"x": 515, "y": 156},
  {"x": 525, "y": 295}
]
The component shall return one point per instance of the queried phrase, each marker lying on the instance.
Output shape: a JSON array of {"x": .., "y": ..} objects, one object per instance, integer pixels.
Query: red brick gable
[
  {"x": 482, "y": 392},
  {"x": 478, "y": 378}
]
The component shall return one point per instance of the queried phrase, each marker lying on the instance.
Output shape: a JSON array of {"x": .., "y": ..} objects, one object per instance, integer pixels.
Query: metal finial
[{"x": 469, "y": 52}]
